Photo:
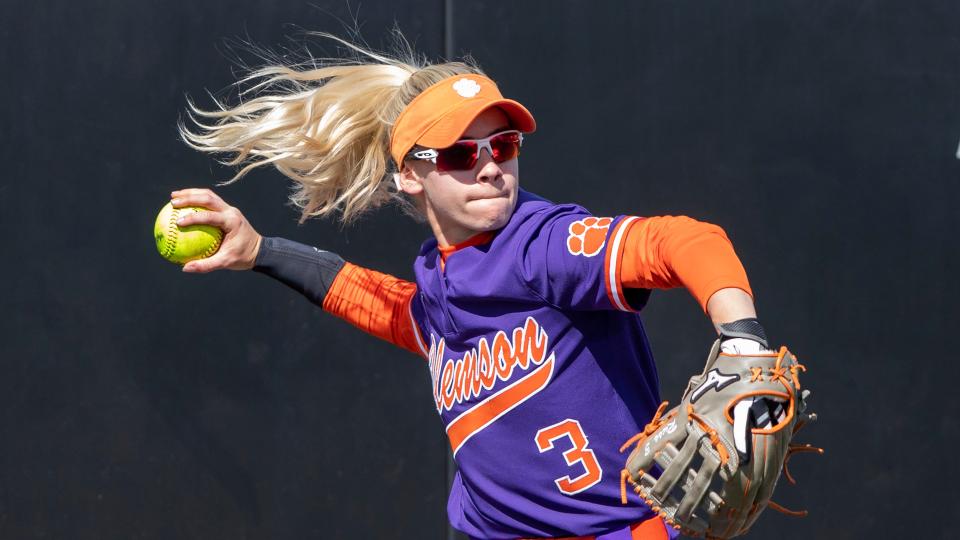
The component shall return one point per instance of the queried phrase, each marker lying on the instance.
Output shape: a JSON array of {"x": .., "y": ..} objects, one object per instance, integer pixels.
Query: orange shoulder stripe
[
  {"x": 671, "y": 251},
  {"x": 376, "y": 303}
]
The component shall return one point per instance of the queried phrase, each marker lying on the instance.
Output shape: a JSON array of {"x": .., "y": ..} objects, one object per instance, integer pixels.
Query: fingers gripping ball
[{"x": 184, "y": 244}]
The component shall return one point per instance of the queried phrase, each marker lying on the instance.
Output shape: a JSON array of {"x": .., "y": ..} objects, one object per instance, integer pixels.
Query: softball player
[{"x": 523, "y": 310}]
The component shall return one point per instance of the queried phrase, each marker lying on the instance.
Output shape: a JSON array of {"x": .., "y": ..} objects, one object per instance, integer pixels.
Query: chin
[{"x": 491, "y": 214}]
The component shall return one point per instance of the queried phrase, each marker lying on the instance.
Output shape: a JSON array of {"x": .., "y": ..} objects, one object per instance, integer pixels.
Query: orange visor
[{"x": 441, "y": 113}]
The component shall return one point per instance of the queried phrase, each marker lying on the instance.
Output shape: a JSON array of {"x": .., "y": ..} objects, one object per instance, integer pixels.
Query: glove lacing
[{"x": 652, "y": 426}]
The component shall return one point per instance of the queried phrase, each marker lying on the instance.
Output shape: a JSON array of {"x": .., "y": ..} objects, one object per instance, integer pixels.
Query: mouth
[{"x": 487, "y": 197}]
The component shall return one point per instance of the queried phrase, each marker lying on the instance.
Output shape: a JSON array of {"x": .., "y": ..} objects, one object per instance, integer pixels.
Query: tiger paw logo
[
  {"x": 588, "y": 235},
  {"x": 466, "y": 88}
]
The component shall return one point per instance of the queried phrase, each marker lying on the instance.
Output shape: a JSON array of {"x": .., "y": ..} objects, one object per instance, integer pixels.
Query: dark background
[{"x": 139, "y": 402}]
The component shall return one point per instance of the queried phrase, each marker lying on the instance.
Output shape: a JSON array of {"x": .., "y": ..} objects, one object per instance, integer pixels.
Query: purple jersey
[{"x": 540, "y": 370}]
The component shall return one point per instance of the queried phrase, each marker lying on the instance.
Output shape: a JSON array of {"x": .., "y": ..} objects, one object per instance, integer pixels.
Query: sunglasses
[{"x": 463, "y": 154}]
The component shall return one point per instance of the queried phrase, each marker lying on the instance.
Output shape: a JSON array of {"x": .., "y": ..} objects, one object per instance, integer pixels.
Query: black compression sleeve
[{"x": 305, "y": 269}]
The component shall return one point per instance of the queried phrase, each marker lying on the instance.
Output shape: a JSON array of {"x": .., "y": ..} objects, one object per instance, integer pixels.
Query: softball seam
[
  {"x": 170, "y": 239},
  {"x": 173, "y": 235}
]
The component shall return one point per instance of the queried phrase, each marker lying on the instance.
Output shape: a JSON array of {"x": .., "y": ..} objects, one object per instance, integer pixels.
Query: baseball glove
[{"x": 709, "y": 466}]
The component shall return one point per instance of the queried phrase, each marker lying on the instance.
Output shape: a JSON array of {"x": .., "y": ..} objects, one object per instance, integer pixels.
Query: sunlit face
[{"x": 461, "y": 204}]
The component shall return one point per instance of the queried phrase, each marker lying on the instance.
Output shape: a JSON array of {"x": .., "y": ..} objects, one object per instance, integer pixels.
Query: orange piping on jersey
[
  {"x": 421, "y": 343},
  {"x": 613, "y": 261},
  {"x": 376, "y": 303},
  {"x": 663, "y": 252},
  {"x": 477, "y": 239}
]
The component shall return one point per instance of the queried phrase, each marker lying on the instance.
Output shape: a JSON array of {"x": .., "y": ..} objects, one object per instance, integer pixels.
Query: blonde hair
[{"x": 325, "y": 125}]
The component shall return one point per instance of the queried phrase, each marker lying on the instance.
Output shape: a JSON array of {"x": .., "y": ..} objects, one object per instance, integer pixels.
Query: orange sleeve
[
  {"x": 376, "y": 303},
  {"x": 671, "y": 251}
]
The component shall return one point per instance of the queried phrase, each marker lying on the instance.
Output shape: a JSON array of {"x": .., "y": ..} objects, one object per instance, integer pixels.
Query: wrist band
[{"x": 744, "y": 328}]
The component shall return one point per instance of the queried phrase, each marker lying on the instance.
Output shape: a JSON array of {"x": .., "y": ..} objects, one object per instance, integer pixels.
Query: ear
[{"x": 408, "y": 181}]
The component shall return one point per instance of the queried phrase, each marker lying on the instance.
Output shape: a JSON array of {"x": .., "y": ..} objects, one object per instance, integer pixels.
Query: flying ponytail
[{"x": 327, "y": 127}]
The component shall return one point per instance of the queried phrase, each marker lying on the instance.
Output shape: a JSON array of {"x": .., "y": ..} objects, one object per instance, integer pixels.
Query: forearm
[
  {"x": 305, "y": 269},
  {"x": 730, "y": 304},
  {"x": 377, "y": 303}
]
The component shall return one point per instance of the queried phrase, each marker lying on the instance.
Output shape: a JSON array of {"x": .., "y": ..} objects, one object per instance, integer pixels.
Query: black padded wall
[
  {"x": 139, "y": 402},
  {"x": 824, "y": 139}
]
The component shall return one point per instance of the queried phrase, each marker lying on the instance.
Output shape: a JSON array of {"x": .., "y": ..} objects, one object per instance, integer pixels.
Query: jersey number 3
[{"x": 571, "y": 429}]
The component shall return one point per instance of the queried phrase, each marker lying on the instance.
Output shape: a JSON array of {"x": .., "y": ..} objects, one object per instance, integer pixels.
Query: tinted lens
[
  {"x": 505, "y": 146},
  {"x": 461, "y": 156}
]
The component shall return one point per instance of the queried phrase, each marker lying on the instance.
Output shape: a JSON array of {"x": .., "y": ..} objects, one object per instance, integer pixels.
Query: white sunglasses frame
[{"x": 430, "y": 154}]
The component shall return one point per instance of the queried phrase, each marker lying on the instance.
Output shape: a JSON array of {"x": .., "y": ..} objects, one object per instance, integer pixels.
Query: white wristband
[{"x": 742, "y": 346}]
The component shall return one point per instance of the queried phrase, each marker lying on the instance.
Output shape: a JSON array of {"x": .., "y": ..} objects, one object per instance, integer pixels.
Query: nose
[{"x": 489, "y": 169}]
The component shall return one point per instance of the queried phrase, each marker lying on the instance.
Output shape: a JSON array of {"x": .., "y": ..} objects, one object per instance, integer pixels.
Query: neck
[
  {"x": 447, "y": 234},
  {"x": 451, "y": 238}
]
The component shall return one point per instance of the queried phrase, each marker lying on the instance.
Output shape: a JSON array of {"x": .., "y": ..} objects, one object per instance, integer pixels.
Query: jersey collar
[{"x": 477, "y": 239}]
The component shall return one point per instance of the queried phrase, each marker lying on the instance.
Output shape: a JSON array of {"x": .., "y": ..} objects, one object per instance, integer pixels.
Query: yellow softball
[{"x": 184, "y": 244}]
